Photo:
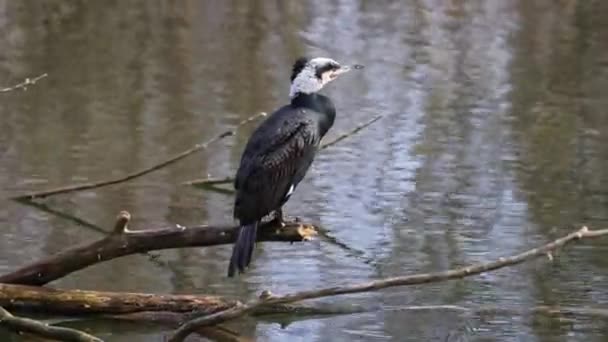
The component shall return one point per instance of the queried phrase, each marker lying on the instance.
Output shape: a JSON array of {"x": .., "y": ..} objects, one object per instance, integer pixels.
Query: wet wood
[
  {"x": 123, "y": 242},
  {"x": 39, "y": 329},
  {"x": 80, "y": 302}
]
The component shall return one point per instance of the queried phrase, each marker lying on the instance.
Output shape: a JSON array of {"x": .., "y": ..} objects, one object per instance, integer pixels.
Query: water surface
[{"x": 493, "y": 141}]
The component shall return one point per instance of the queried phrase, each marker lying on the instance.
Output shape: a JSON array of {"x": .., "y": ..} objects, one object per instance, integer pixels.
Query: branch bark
[
  {"x": 23, "y": 85},
  {"x": 202, "y": 182},
  {"x": 266, "y": 298},
  {"x": 123, "y": 241},
  {"x": 146, "y": 307},
  {"x": 21, "y": 324},
  {"x": 102, "y": 183},
  {"x": 80, "y": 302}
]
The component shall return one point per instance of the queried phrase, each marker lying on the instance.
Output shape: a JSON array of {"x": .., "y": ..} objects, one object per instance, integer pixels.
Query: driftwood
[
  {"x": 211, "y": 181},
  {"x": 143, "y": 307},
  {"x": 267, "y": 298},
  {"x": 102, "y": 183},
  {"x": 23, "y": 85},
  {"x": 79, "y": 302},
  {"x": 27, "y": 325},
  {"x": 123, "y": 241}
]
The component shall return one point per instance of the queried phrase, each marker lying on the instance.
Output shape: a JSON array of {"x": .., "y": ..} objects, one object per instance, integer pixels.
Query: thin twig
[
  {"x": 171, "y": 160},
  {"x": 350, "y": 133},
  {"x": 21, "y": 324},
  {"x": 462, "y": 272},
  {"x": 209, "y": 181},
  {"x": 545, "y": 310},
  {"x": 203, "y": 182},
  {"x": 23, "y": 85}
]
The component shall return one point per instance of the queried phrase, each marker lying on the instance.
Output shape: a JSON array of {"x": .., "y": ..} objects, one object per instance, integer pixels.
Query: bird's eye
[{"x": 323, "y": 69}]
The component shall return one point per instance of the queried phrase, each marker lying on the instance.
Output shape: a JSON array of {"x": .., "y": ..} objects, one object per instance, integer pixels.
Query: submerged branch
[
  {"x": 123, "y": 241},
  {"x": 27, "y": 325},
  {"x": 23, "y": 85},
  {"x": 266, "y": 298},
  {"x": 203, "y": 182},
  {"x": 171, "y": 160}
]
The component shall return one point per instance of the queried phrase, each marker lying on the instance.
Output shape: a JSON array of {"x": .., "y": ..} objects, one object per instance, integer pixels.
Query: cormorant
[{"x": 280, "y": 151}]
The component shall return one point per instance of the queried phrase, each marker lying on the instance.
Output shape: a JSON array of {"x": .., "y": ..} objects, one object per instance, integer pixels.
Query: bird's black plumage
[{"x": 275, "y": 160}]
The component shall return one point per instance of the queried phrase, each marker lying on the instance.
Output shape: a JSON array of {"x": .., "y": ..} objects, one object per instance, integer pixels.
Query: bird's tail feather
[{"x": 243, "y": 248}]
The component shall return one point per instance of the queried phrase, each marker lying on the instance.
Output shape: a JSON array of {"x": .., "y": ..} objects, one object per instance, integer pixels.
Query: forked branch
[
  {"x": 266, "y": 298},
  {"x": 123, "y": 241},
  {"x": 23, "y": 85},
  {"x": 27, "y": 325}
]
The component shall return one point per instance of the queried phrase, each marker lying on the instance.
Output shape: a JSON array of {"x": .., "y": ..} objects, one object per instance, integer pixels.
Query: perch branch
[
  {"x": 266, "y": 298},
  {"x": 21, "y": 324},
  {"x": 123, "y": 241},
  {"x": 225, "y": 180},
  {"x": 171, "y": 160},
  {"x": 23, "y": 85}
]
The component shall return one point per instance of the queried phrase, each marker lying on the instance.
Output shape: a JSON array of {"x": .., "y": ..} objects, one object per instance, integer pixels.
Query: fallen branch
[
  {"x": 202, "y": 182},
  {"x": 171, "y": 160},
  {"x": 21, "y": 324},
  {"x": 266, "y": 298},
  {"x": 46, "y": 300},
  {"x": 23, "y": 85},
  {"x": 145, "y": 307},
  {"x": 123, "y": 241}
]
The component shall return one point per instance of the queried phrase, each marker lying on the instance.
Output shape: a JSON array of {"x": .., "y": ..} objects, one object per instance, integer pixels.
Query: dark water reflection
[{"x": 494, "y": 140}]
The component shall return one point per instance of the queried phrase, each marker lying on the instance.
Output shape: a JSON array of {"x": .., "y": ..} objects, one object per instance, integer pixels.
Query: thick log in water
[{"x": 80, "y": 302}]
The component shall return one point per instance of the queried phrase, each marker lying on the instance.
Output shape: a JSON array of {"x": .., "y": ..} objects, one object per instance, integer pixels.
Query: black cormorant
[{"x": 280, "y": 151}]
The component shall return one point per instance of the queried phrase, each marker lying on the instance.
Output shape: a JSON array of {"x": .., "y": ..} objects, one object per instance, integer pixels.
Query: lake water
[{"x": 494, "y": 140}]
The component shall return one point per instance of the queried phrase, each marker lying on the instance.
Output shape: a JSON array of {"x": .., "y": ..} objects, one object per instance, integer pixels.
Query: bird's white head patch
[{"x": 311, "y": 75}]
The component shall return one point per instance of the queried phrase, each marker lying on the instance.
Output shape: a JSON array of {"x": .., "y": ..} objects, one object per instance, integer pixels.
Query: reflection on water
[{"x": 494, "y": 140}]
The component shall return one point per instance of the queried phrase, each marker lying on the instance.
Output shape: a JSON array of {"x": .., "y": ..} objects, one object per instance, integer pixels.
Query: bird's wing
[{"x": 266, "y": 176}]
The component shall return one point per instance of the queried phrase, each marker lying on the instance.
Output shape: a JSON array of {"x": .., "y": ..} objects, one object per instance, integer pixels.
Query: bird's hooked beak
[{"x": 343, "y": 69}]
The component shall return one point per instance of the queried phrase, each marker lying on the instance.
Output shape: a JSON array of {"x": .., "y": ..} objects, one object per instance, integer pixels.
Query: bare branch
[
  {"x": 171, "y": 160},
  {"x": 21, "y": 324},
  {"x": 23, "y": 85},
  {"x": 267, "y": 298},
  {"x": 123, "y": 241},
  {"x": 350, "y": 133},
  {"x": 201, "y": 182},
  {"x": 209, "y": 181}
]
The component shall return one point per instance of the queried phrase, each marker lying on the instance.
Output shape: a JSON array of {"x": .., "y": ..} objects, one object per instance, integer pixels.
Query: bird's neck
[{"x": 317, "y": 103}]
